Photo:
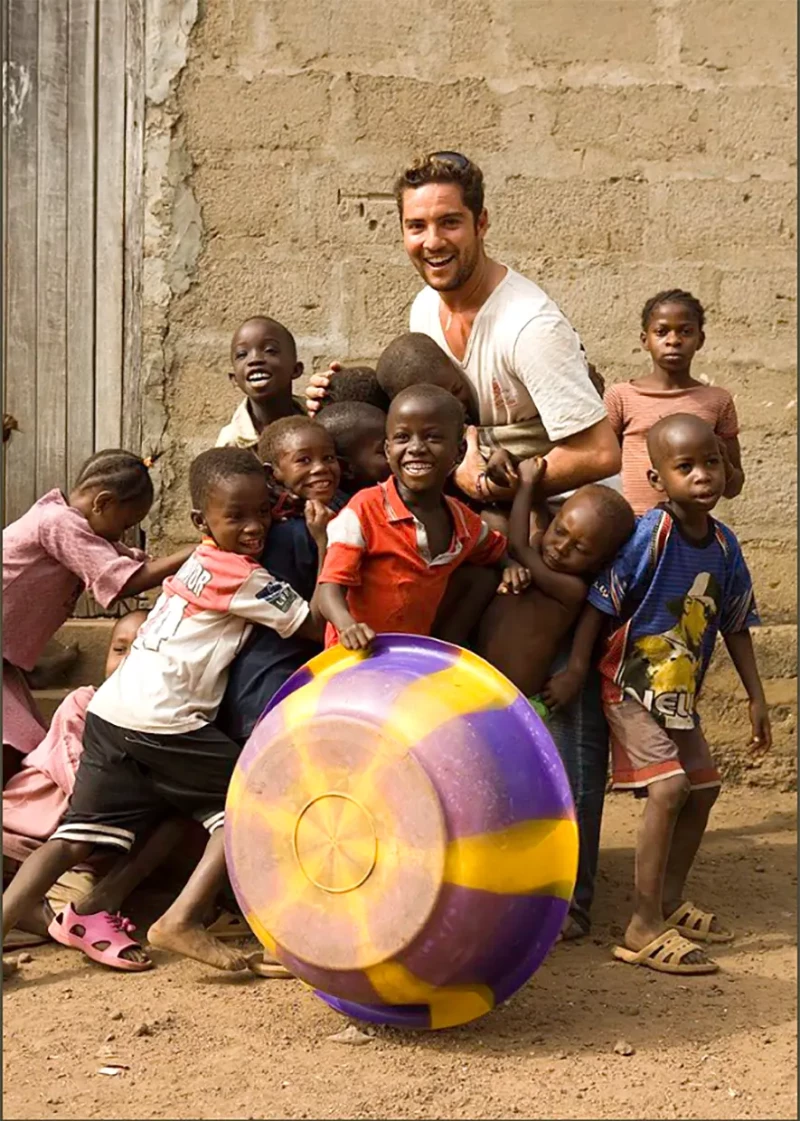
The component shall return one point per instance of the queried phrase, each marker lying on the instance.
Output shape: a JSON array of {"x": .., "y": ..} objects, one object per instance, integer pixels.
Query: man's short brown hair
[{"x": 443, "y": 167}]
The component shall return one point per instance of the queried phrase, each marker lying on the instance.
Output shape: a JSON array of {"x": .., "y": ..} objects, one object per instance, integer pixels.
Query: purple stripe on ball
[
  {"x": 495, "y": 769},
  {"x": 478, "y": 937},
  {"x": 395, "y": 1015}
]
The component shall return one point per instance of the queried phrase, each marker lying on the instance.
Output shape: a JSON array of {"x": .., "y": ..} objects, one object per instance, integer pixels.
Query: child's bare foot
[{"x": 195, "y": 942}]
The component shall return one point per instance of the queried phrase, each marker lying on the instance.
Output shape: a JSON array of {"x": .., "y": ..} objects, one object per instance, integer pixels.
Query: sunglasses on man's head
[{"x": 455, "y": 158}]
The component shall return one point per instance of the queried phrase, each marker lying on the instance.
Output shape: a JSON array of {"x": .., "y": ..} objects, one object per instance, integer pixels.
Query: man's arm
[{"x": 586, "y": 457}]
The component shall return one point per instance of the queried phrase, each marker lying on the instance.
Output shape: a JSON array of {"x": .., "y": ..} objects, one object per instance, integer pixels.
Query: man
[{"x": 534, "y": 396}]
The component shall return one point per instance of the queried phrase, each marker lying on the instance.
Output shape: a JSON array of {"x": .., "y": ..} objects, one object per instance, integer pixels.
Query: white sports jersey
[{"x": 175, "y": 675}]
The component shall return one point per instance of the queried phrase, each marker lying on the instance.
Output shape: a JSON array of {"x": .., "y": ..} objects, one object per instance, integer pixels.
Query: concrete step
[
  {"x": 92, "y": 637},
  {"x": 48, "y": 700}
]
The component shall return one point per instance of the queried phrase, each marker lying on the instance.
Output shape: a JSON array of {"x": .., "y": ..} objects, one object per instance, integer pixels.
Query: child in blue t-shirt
[
  {"x": 679, "y": 581},
  {"x": 300, "y": 457}
]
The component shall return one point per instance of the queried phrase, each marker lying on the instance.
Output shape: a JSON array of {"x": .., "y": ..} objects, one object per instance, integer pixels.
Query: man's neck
[{"x": 474, "y": 293}]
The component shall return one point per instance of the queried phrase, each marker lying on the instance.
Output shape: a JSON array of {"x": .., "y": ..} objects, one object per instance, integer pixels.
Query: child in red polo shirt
[{"x": 393, "y": 548}]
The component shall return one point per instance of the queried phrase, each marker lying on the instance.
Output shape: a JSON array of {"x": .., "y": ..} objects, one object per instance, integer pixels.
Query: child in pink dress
[
  {"x": 61, "y": 547},
  {"x": 36, "y": 798},
  {"x": 672, "y": 333}
]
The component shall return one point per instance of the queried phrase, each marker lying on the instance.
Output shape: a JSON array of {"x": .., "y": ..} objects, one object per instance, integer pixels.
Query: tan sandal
[
  {"x": 264, "y": 966},
  {"x": 693, "y": 923},
  {"x": 665, "y": 954},
  {"x": 228, "y": 926}
]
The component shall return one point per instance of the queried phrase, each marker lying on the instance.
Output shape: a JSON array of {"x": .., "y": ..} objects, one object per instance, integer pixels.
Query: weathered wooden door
[{"x": 73, "y": 107}]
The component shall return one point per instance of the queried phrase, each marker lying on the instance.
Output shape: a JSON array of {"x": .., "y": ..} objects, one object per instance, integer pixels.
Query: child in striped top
[{"x": 672, "y": 333}]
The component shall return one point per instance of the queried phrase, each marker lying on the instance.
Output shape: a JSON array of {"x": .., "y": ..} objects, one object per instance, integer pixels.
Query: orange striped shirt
[{"x": 634, "y": 410}]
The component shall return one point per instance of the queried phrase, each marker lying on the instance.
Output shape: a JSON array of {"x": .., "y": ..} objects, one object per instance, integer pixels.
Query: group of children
[{"x": 338, "y": 528}]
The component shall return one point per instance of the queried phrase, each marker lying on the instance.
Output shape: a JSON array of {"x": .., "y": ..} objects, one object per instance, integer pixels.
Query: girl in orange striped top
[{"x": 672, "y": 333}]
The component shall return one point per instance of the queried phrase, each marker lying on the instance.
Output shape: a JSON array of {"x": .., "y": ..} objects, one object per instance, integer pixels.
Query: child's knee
[
  {"x": 705, "y": 798},
  {"x": 670, "y": 793}
]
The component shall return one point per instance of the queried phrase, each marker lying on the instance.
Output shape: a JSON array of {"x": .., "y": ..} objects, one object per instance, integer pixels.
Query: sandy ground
[{"x": 211, "y": 1046}]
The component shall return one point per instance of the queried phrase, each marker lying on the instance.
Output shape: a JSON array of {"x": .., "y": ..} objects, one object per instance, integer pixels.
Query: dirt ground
[{"x": 212, "y": 1046}]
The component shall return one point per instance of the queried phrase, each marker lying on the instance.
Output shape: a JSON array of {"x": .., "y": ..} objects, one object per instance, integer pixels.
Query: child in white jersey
[{"x": 150, "y": 749}]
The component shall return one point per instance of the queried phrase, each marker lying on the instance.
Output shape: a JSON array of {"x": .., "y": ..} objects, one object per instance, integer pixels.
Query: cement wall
[{"x": 628, "y": 145}]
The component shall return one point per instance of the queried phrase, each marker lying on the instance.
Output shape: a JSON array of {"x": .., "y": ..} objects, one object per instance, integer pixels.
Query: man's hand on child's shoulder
[
  {"x": 762, "y": 729},
  {"x": 356, "y": 637},
  {"x": 318, "y": 517},
  {"x": 515, "y": 579}
]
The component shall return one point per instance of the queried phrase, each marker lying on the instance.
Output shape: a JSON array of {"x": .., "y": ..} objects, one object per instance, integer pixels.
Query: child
[
  {"x": 392, "y": 550},
  {"x": 355, "y": 383},
  {"x": 35, "y": 801},
  {"x": 62, "y": 546},
  {"x": 583, "y": 536},
  {"x": 672, "y": 333},
  {"x": 678, "y": 581},
  {"x": 415, "y": 359},
  {"x": 264, "y": 360},
  {"x": 294, "y": 552},
  {"x": 359, "y": 433},
  {"x": 149, "y": 747}
]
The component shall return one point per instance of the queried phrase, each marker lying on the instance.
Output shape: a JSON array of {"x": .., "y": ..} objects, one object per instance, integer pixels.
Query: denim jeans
[{"x": 580, "y": 733}]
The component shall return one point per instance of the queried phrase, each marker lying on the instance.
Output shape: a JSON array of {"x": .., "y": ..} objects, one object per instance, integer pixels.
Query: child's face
[
  {"x": 576, "y": 541},
  {"x": 307, "y": 464},
  {"x": 237, "y": 514},
  {"x": 673, "y": 337},
  {"x": 125, "y": 631},
  {"x": 690, "y": 471},
  {"x": 449, "y": 377},
  {"x": 111, "y": 519},
  {"x": 367, "y": 463},
  {"x": 264, "y": 360},
  {"x": 422, "y": 445}
]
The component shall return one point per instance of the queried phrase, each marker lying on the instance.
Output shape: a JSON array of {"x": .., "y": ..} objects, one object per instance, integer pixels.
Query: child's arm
[
  {"x": 317, "y": 517},
  {"x": 562, "y": 688},
  {"x": 732, "y": 459},
  {"x": 333, "y": 605},
  {"x": 740, "y": 648},
  {"x": 154, "y": 572},
  {"x": 564, "y": 588}
]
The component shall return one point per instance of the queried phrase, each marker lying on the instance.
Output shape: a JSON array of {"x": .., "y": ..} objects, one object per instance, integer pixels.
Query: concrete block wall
[{"x": 628, "y": 146}]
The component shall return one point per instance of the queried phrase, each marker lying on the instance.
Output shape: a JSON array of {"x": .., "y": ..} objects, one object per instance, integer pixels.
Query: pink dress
[
  {"x": 35, "y": 799},
  {"x": 50, "y": 555}
]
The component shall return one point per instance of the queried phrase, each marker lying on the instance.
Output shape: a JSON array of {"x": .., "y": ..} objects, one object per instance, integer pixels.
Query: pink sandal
[{"x": 100, "y": 929}]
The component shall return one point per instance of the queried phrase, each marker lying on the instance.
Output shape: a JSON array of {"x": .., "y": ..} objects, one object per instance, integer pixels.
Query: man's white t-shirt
[{"x": 523, "y": 358}]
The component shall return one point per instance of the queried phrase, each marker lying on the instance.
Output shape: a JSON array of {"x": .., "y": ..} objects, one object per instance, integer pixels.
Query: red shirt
[{"x": 379, "y": 551}]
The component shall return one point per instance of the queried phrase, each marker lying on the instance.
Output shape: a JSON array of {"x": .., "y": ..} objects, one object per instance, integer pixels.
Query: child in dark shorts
[
  {"x": 150, "y": 747},
  {"x": 300, "y": 455}
]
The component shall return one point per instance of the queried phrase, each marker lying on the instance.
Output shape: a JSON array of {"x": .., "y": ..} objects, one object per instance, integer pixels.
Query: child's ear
[
  {"x": 345, "y": 468},
  {"x": 702, "y": 340},
  {"x": 643, "y": 339},
  {"x": 232, "y": 377},
  {"x": 102, "y": 500},
  {"x": 654, "y": 479},
  {"x": 298, "y": 371},
  {"x": 199, "y": 522}
]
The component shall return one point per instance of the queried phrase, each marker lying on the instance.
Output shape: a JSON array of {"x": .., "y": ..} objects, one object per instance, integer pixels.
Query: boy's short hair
[
  {"x": 443, "y": 167},
  {"x": 348, "y": 422},
  {"x": 355, "y": 383},
  {"x": 660, "y": 433},
  {"x": 437, "y": 399},
  {"x": 616, "y": 512},
  {"x": 410, "y": 359},
  {"x": 281, "y": 329},
  {"x": 210, "y": 467},
  {"x": 274, "y": 437}
]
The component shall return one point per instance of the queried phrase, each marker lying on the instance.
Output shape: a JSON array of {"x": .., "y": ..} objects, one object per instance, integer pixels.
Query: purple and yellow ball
[{"x": 400, "y": 833}]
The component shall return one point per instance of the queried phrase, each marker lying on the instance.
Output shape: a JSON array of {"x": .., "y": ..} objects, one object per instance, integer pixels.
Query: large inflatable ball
[{"x": 400, "y": 833}]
